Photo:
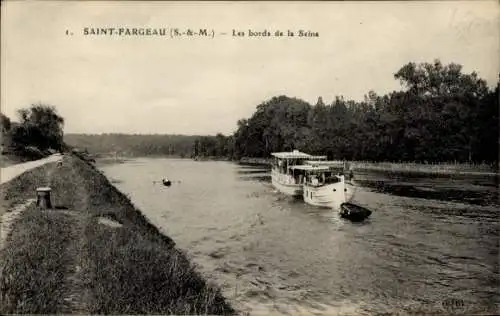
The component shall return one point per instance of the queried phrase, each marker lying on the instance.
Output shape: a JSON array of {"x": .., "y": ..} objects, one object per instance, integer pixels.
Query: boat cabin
[
  {"x": 284, "y": 160},
  {"x": 315, "y": 175},
  {"x": 334, "y": 164}
]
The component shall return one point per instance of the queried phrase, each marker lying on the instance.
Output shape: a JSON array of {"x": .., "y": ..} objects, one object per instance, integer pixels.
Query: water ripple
[{"x": 428, "y": 240}]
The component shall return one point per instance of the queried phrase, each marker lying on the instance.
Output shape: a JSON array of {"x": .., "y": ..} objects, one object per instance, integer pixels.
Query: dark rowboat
[
  {"x": 166, "y": 182},
  {"x": 354, "y": 212}
]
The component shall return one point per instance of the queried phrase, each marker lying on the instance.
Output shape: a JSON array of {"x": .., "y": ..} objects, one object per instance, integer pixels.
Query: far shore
[
  {"x": 432, "y": 168},
  {"x": 396, "y": 167},
  {"x": 443, "y": 168}
]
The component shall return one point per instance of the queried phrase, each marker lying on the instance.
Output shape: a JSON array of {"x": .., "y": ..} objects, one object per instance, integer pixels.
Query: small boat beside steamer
[
  {"x": 354, "y": 212},
  {"x": 318, "y": 181}
]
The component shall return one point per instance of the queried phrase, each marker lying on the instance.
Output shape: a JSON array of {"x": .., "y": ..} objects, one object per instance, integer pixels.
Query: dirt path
[
  {"x": 76, "y": 294},
  {"x": 10, "y": 172},
  {"x": 7, "y": 220},
  {"x": 68, "y": 199}
]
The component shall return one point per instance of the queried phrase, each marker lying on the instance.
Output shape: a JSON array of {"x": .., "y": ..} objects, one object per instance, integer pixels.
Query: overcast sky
[{"x": 156, "y": 84}]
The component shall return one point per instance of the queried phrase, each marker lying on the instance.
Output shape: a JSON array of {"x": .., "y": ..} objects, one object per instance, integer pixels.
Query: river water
[{"x": 431, "y": 244}]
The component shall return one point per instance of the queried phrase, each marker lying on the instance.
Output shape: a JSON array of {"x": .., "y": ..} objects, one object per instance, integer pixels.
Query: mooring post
[{"x": 43, "y": 197}]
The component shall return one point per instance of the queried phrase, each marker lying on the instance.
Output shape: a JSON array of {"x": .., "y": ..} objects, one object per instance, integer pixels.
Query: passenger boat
[
  {"x": 323, "y": 185},
  {"x": 283, "y": 177}
]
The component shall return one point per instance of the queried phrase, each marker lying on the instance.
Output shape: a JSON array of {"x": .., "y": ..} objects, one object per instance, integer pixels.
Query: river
[{"x": 431, "y": 244}]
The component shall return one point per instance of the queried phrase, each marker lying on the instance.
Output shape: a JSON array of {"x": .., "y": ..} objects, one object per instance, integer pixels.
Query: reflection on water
[
  {"x": 270, "y": 253},
  {"x": 251, "y": 171},
  {"x": 477, "y": 191}
]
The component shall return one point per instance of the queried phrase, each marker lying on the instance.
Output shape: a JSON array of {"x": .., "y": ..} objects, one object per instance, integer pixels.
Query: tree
[
  {"x": 5, "y": 122},
  {"x": 6, "y": 129},
  {"x": 442, "y": 114},
  {"x": 434, "y": 79},
  {"x": 40, "y": 126}
]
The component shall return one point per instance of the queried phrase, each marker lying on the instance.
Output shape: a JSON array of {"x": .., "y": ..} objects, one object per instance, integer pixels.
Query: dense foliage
[
  {"x": 38, "y": 132},
  {"x": 441, "y": 115},
  {"x": 214, "y": 146}
]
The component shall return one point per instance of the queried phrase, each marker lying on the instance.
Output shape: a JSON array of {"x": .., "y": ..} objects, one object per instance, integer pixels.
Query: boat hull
[
  {"x": 285, "y": 188},
  {"x": 330, "y": 195},
  {"x": 349, "y": 192}
]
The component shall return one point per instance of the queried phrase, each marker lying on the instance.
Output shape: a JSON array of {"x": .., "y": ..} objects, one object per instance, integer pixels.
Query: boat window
[{"x": 332, "y": 179}]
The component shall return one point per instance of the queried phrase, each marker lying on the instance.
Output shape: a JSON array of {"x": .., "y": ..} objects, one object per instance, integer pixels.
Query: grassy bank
[{"x": 66, "y": 260}]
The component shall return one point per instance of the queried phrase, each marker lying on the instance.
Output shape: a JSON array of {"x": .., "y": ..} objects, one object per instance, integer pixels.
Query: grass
[
  {"x": 34, "y": 264},
  {"x": 63, "y": 253},
  {"x": 22, "y": 187},
  {"x": 144, "y": 278}
]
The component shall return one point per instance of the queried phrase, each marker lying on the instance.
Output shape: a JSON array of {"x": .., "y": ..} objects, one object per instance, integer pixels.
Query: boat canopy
[
  {"x": 309, "y": 168},
  {"x": 315, "y": 158},
  {"x": 292, "y": 155},
  {"x": 296, "y": 155}
]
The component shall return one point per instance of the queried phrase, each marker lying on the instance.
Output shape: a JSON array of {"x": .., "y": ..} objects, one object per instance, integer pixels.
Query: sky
[{"x": 203, "y": 85}]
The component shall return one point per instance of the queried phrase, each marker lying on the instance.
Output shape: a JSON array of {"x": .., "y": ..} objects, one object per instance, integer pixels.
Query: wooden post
[{"x": 43, "y": 197}]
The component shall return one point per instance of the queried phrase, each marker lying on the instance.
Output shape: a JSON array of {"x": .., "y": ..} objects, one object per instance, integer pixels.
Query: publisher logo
[{"x": 454, "y": 305}]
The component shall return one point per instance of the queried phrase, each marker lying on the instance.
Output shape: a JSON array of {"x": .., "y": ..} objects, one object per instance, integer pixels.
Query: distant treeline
[
  {"x": 137, "y": 145},
  {"x": 441, "y": 115},
  {"x": 133, "y": 145}
]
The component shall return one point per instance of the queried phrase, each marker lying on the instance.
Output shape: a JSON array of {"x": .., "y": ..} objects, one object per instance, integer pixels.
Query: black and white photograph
[{"x": 249, "y": 158}]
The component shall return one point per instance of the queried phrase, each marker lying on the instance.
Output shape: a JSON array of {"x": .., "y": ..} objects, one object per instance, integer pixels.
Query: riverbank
[
  {"x": 255, "y": 161},
  {"x": 403, "y": 167},
  {"x": 94, "y": 253},
  {"x": 430, "y": 168},
  {"x": 211, "y": 158}
]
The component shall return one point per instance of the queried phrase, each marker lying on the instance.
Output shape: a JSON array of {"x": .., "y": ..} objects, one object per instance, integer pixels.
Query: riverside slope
[{"x": 68, "y": 260}]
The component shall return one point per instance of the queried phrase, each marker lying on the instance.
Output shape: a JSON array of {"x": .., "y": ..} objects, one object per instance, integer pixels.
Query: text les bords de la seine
[{"x": 176, "y": 32}]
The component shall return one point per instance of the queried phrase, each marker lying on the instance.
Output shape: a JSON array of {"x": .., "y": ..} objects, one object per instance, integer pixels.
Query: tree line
[
  {"x": 133, "y": 145},
  {"x": 441, "y": 114},
  {"x": 137, "y": 145},
  {"x": 38, "y": 133}
]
